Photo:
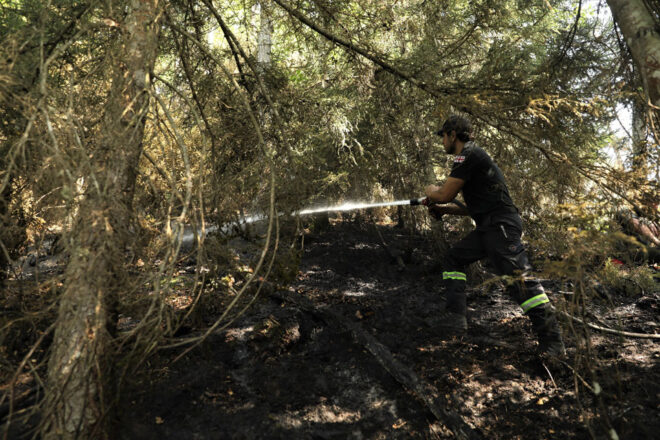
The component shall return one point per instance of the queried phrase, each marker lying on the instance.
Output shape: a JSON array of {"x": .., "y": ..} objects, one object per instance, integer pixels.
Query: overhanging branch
[
  {"x": 361, "y": 51},
  {"x": 550, "y": 155}
]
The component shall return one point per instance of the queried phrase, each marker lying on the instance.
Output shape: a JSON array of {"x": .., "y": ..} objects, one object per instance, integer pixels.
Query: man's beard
[{"x": 452, "y": 148}]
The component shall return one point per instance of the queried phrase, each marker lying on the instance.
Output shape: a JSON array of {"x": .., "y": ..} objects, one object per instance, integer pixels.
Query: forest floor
[{"x": 352, "y": 351}]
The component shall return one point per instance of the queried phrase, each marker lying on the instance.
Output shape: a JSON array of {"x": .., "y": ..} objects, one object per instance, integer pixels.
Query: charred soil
[
  {"x": 299, "y": 364},
  {"x": 351, "y": 349}
]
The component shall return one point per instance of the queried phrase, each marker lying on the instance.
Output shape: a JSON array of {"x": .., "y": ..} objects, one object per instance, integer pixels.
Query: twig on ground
[
  {"x": 611, "y": 330},
  {"x": 550, "y": 374}
]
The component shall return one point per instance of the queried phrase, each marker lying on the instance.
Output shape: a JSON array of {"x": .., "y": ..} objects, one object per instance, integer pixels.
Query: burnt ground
[
  {"x": 298, "y": 364},
  {"x": 351, "y": 350}
]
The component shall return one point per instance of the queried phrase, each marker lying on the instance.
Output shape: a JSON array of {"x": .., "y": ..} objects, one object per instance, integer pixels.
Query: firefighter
[{"x": 497, "y": 236}]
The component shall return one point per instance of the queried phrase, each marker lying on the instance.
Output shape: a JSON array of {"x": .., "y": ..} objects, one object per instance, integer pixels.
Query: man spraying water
[{"x": 497, "y": 236}]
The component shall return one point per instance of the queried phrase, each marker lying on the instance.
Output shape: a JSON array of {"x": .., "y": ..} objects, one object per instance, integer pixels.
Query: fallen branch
[
  {"x": 426, "y": 392},
  {"x": 611, "y": 330}
]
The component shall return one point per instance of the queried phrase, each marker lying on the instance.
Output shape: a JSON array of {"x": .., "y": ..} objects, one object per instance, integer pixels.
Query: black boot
[
  {"x": 455, "y": 296},
  {"x": 546, "y": 327}
]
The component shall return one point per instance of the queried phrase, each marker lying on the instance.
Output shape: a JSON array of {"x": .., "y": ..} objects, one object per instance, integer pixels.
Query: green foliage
[
  {"x": 331, "y": 125},
  {"x": 328, "y": 123},
  {"x": 630, "y": 280}
]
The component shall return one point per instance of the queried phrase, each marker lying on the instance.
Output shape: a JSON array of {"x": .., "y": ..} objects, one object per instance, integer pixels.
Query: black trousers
[{"x": 499, "y": 239}]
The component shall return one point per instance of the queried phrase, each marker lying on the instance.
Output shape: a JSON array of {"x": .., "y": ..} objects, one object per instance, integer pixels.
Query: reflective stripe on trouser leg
[
  {"x": 454, "y": 276},
  {"x": 536, "y": 305},
  {"x": 534, "y": 302}
]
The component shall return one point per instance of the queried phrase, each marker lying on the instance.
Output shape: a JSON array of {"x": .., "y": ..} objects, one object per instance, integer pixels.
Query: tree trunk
[
  {"x": 642, "y": 36},
  {"x": 264, "y": 39},
  {"x": 5, "y": 200},
  {"x": 80, "y": 386},
  {"x": 639, "y": 137}
]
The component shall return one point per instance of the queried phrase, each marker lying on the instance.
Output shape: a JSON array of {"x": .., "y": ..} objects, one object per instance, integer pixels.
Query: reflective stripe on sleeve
[
  {"x": 454, "y": 276},
  {"x": 534, "y": 301}
]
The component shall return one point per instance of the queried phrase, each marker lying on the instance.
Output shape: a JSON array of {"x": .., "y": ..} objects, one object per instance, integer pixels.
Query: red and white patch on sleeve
[{"x": 459, "y": 159}]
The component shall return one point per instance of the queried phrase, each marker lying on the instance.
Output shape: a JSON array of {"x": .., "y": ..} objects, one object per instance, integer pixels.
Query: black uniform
[{"x": 497, "y": 236}]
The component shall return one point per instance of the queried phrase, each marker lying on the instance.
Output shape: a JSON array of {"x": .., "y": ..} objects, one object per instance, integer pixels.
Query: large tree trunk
[
  {"x": 80, "y": 386},
  {"x": 264, "y": 39},
  {"x": 642, "y": 36}
]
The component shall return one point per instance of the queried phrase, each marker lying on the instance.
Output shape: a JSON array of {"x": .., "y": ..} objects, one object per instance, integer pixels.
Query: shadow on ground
[{"x": 283, "y": 372}]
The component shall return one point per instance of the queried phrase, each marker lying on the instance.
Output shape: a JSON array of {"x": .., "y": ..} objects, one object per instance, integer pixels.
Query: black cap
[{"x": 460, "y": 125}]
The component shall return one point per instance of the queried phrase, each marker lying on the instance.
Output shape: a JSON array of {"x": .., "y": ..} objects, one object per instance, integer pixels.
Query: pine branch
[{"x": 376, "y": 59}]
